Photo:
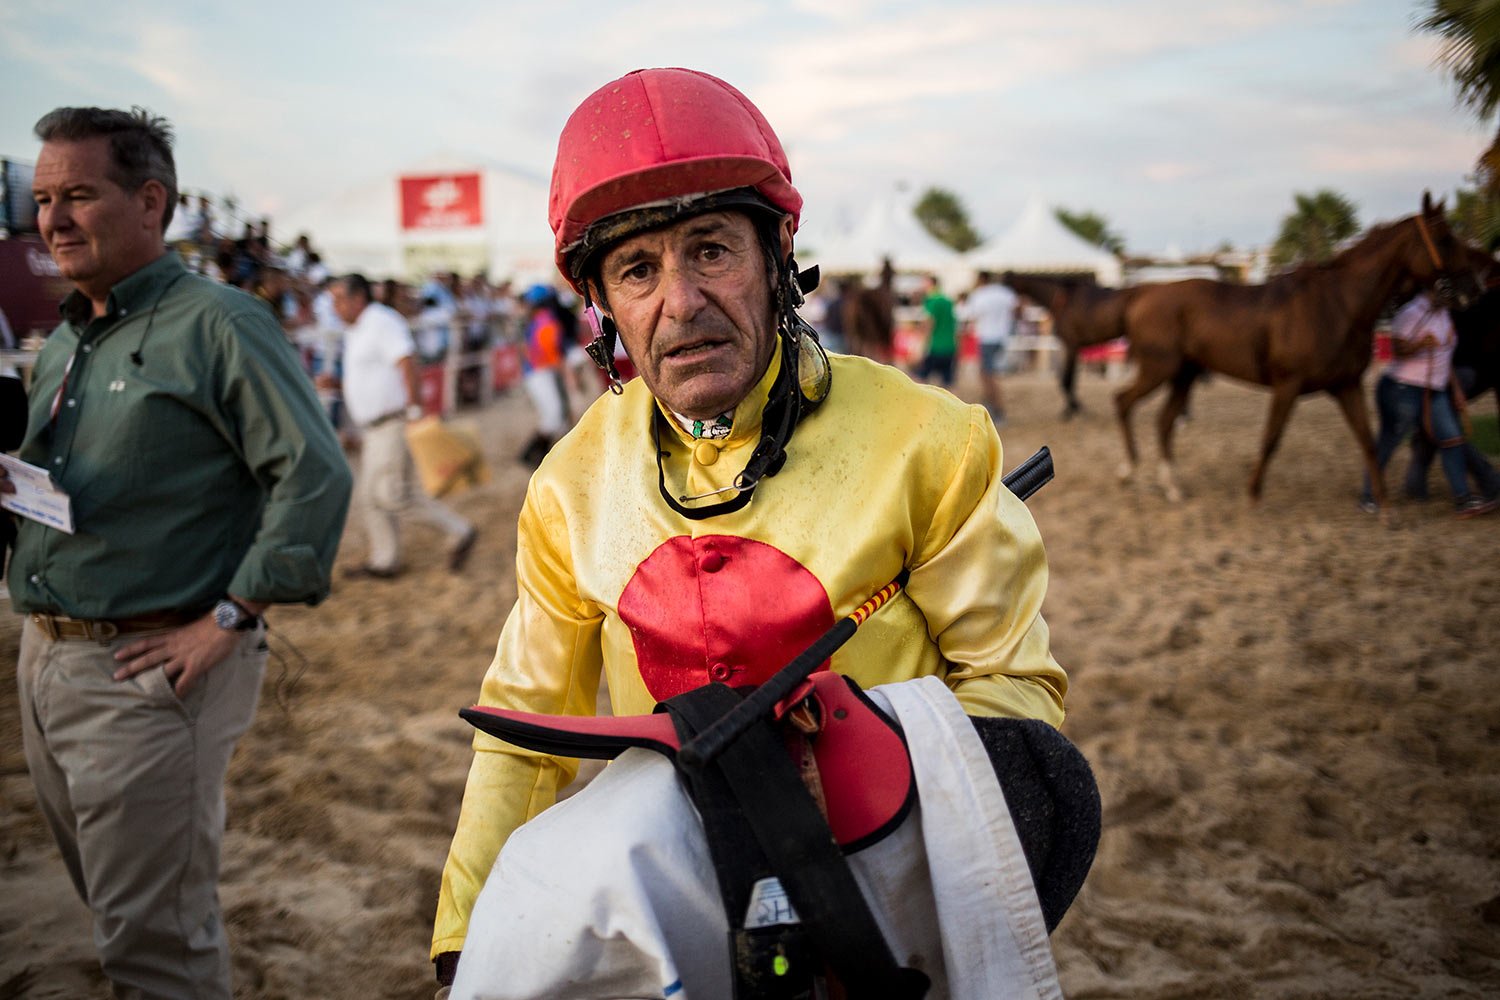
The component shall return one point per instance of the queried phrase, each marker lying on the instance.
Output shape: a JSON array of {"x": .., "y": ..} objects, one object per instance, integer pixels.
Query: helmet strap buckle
[{"x": 601, "y": 350}]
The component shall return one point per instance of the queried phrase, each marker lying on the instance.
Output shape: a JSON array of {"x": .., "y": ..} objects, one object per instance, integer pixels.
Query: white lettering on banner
[
  {"x": 441, "y": 201},
  {"x": 442, "y": 195}
]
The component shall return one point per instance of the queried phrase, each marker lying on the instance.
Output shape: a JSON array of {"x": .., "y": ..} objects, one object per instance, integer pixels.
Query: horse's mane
[{"x": 1303, "y": 273}]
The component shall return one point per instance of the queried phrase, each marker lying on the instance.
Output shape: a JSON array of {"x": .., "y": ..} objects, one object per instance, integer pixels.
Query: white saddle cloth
[{"x": 611, "y": 894}]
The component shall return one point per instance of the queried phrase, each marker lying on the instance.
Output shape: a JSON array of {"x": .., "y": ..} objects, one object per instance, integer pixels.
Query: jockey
[{"x": 708, "y": 520}]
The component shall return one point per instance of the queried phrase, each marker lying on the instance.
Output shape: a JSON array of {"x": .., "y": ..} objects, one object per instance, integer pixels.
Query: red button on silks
[
  {"x": 712, "y": 562},
  {"x": 720, "y": 672}
]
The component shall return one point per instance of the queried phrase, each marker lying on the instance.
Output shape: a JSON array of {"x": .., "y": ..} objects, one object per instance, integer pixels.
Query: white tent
[
  {"x": 359, "y": 228},
  {"x": 1038, "y": 243},
  {"x": 888, "y": 229}
]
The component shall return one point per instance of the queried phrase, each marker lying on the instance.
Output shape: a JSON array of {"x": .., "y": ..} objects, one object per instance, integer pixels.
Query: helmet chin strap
[{"x": 792, "y": 397}]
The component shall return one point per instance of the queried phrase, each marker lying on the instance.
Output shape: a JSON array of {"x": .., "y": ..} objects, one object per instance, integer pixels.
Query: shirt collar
[
  {"x": 134, "y": 292},
  {"x": 747, "y": 414}
]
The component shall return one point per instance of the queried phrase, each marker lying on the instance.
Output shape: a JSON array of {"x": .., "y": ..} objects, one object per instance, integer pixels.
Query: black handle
[{"x": 1031, "y": 475}]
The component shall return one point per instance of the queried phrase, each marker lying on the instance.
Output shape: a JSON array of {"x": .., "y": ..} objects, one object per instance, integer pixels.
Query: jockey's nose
[{"x": 681, "y": 296}]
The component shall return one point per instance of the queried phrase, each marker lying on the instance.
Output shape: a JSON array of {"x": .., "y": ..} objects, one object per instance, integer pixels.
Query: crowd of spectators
[{"x": 449, "y": 314}]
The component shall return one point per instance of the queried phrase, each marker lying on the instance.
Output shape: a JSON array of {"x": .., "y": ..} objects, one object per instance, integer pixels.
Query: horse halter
[
  {"x": 1443, "y": 287},
  {"x": 1430, "y": 244}
]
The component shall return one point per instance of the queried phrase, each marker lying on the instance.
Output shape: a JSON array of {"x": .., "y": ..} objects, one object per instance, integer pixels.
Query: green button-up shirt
[{"x": 198, "y": 459}]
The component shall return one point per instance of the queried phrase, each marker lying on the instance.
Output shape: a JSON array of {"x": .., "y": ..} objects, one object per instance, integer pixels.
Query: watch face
[{"x": 227, "y": 614}]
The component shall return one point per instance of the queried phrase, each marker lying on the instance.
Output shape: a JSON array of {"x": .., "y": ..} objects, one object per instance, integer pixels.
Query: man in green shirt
[
  {"x": 942, "y": 336},
  {"x": 205, "y": 484}
]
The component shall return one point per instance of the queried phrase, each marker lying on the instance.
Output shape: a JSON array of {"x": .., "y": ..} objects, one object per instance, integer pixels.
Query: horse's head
[{"x": 1455, "y": 271}]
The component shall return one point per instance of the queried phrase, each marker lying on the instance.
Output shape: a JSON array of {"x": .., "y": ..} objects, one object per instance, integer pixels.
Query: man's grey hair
[{"x": 140, "y": 145}]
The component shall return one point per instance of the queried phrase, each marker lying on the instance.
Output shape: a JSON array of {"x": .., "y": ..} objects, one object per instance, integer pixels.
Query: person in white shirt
[
  {"x": 992, "y": 308},
  {"x": 381, "y": 394},
  {"x": 1413, "y": 393}
]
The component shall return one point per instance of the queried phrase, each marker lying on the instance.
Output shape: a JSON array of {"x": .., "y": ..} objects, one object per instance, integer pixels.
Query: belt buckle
[
  {"x": 46, "y": 624},
  {"x": 59, "y": 627}
]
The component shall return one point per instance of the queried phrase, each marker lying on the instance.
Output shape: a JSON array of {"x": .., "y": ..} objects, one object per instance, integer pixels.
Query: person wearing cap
[
  {"x": 707, "y": 521},
  {"x": 542, "y": 362}
]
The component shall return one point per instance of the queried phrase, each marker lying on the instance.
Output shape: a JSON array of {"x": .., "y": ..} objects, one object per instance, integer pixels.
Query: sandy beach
[{"x": 1292, "y": 710}]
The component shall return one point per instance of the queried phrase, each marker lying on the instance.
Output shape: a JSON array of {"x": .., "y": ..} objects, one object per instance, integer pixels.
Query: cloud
[
  {"x": 1407, "y": 146},
  {"x": 1167, "y": 172},
  {"x": 918, "y": 56}
]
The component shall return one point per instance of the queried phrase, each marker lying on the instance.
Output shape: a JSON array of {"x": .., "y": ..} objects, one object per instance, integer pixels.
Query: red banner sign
[{"x": 441, "y": 201}]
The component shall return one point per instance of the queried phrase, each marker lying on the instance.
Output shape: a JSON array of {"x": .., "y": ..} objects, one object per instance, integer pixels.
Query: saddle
[{"x": 825, "y": 774}]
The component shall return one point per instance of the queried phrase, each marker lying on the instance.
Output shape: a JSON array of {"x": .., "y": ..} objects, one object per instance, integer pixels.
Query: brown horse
[
  {"x": 1303, "y": 332},
  {"x": 869, "y": 316},
  {"x": 1083, "y": 314}
]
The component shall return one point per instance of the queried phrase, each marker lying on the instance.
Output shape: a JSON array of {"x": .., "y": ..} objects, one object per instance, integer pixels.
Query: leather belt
[{"x": 61, "y": 627}]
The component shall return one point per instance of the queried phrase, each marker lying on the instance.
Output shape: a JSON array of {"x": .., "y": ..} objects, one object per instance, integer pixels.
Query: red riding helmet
[{"x": 673, "y": 141}]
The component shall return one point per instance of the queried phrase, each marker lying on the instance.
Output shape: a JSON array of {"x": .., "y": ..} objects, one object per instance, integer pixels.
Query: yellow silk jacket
[{"x": 886, "y": 475}]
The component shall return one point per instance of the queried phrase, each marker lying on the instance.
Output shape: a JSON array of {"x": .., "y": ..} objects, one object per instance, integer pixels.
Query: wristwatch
[{"x": 230, "y": 617}]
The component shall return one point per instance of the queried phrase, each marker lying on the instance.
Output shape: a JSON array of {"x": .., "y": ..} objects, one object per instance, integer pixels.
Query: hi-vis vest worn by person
[{"x": 884, "y": 476}]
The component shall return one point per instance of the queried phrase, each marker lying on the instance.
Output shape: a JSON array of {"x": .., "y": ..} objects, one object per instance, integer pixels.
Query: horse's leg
[
  {"x": 1351, "y": 400},
  {"x": 1147, "y": 377},
  {"x": 1069, "y": 379},
  {"x": 1166, "y": 423},
  {"x": 1283, "y": 398}
]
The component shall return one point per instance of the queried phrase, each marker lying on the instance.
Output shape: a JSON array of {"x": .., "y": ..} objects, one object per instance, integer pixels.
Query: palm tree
[
  {"x": 1093, "y": 227},
  {"x": 1311, "y": 234},
  {"x": 1470, "y": 30},
  {"x": 943, "y": 215}
]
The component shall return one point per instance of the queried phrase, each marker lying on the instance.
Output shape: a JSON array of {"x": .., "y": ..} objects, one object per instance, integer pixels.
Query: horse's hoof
[
  {"x": 1125, "y": 472},
  {"x": 1168, "y": 482}
]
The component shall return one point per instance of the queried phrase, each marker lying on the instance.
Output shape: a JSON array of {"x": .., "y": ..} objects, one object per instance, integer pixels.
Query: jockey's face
[{"x": 693, "y": 304}]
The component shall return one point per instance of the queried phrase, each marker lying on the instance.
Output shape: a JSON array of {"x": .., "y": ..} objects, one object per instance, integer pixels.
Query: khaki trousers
[
  {"x": 383, "y": 489},
  {"x": 131, "y": 782}
]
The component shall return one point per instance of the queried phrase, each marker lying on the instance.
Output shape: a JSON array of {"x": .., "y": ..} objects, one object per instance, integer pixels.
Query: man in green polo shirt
[{"x": 205, "y": 485}]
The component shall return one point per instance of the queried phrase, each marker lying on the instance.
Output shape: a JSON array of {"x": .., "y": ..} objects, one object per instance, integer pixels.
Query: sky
[{"x": 1185, "y": 124}]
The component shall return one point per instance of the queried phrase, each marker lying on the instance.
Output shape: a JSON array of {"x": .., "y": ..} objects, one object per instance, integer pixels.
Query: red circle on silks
[{"x": 720, "y": 608}]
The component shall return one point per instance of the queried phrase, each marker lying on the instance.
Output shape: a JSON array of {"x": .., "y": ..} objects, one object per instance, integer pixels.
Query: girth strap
[{"x": 760, "y": 819}]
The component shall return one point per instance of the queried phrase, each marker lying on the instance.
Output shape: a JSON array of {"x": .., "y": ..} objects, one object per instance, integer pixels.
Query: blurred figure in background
[
  {"x": 381, "y": 394},
  {"x": 542, "y": 363},
  {"x": 941, "y": 357},
  {"x": 993, "y": 309}
]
